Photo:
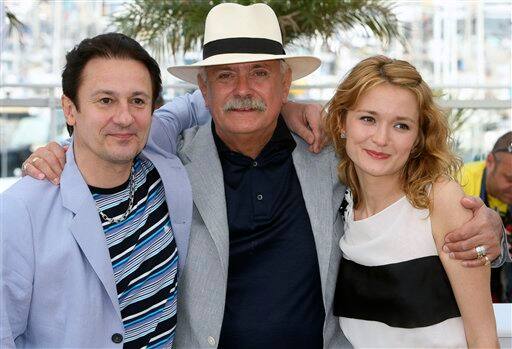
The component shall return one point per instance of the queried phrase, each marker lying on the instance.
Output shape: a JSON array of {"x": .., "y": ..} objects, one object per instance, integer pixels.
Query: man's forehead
[
  {"x": 236, "y": 66},
  {"x": 504, "y": 157},
  {"x": 116, "y": 75},
  {"x": 503, "y": 161}
]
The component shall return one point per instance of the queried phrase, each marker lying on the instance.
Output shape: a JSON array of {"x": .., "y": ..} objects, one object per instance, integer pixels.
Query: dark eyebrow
[
  {"x": 106, "y": 92},
  {"x": 140, "y": 93},
  {"x": 112, "y": 93}
]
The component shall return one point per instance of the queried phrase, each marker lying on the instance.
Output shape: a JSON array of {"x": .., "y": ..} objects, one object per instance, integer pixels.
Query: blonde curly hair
[{"x": 430, "y": 159}]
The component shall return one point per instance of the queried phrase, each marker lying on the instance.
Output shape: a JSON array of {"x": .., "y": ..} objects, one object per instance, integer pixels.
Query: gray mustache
[{"x": 245, "y": 103}]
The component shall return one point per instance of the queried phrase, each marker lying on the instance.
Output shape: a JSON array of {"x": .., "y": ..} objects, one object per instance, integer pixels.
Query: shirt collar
[{"x": 280, "y": 142}]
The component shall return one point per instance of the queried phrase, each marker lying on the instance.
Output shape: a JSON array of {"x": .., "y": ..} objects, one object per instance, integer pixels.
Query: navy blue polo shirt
[{"x": 274, "y": 296}]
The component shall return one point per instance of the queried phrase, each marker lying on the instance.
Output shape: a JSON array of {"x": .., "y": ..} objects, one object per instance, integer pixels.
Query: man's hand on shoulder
[
  {"x": 306, "y": 120},
  {"x": 46, "y": 162},
  {"x": 484, "y": 229}
]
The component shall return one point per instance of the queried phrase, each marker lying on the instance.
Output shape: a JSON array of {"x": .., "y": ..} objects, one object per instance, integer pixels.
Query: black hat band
[{"x": 242, "y": 45}]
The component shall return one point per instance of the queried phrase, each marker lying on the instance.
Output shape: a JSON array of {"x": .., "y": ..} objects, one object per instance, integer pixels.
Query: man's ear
[
  {"x": 203, "y": 87},
  {"x": 490, "y": 163},
  {"x": 69, "y": 109},
  {"x": 287, "y": 82}
]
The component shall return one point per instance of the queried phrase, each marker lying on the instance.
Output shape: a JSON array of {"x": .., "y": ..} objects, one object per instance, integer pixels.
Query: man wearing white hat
[{"x": 263, "y": 246}]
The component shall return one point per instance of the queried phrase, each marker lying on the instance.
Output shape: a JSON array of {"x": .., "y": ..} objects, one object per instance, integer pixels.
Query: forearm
[
  {"x": 505, "y": 254},
  {"x": 471, "y": 289},
  {"x": 184, "y": 111},
  {"x": 470, "y": 285},
  {"x": 489, "y": 342},
  {"x": 173, "y": 118}
]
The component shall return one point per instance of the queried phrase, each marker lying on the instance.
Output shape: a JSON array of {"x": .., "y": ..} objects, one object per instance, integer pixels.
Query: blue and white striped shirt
[{"x": 144, "y": 257}]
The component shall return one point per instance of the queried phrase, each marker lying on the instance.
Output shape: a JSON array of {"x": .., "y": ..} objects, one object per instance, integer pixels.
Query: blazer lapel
[
  {"x": 86, "y": 225},
  {"x": 200, "y": 157},
  {"x": 314, "y": 174},
  {"x": 178, "y": 195}
]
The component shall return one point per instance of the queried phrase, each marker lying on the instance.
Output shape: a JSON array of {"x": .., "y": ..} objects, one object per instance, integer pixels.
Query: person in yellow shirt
[{"x": 491, "y": 180}]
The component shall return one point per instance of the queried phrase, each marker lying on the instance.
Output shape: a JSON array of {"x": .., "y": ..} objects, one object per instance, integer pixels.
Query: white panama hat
[{"x": 235, "y": 33}]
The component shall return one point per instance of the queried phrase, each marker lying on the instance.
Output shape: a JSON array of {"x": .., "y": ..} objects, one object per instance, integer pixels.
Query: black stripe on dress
[{"x": 410, "y": 294}]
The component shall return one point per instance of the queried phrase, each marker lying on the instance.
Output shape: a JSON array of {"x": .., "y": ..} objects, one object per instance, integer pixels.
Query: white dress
[{"x": 392, "y": 290}]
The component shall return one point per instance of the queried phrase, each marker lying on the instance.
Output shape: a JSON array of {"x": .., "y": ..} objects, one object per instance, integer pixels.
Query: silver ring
[
  {"x": 24, "y": 167},
  {"x": 480, "y": 251}
]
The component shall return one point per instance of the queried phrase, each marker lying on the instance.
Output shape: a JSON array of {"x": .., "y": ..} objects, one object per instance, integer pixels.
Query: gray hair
[
  {"x": 202, "y": 74},
  {"x": 284, "y": 67}
]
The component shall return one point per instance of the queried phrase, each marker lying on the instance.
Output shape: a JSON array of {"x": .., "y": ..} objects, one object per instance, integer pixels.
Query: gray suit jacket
[{"x": 203, "y": 282}]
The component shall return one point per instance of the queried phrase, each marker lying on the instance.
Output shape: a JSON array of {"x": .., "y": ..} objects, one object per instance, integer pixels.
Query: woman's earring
[{"x": 343, "y": 135}]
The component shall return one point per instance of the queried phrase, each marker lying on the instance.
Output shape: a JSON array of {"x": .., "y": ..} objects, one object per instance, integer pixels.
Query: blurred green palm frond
[
  {"x": 458, "y": 117},
  {"x": 173, "y": 25},
  {"x": 14, "y": 24}
]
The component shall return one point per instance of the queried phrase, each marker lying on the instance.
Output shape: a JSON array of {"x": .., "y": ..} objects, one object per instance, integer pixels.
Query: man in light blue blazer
[{"x": 94, "y": 262}]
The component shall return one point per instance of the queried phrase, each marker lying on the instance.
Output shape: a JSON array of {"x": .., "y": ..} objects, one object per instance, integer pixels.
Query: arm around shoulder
[
  {"x": 171, "y": 119},
  {"x": 471, "y": 286}
]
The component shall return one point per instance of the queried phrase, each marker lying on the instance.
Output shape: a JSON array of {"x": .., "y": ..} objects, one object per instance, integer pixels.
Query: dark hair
[
  {"x": 110, "y": 45},
  {"x": 503, "y": 144}
]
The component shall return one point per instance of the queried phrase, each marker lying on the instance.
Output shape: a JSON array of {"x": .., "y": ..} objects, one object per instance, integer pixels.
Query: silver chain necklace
[{"x": 130, "y": 204}]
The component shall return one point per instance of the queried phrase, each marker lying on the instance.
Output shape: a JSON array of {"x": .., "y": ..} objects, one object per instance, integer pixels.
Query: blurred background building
[{"x": 462, "y": 48}]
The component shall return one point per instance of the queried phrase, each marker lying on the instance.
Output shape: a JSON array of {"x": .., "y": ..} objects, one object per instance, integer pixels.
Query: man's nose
[
  {"x": 123, "y": 116},
  {"x": 243, "y": 85}
]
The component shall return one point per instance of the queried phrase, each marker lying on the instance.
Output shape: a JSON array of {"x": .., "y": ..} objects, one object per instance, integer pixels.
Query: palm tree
[{"x": 173, "y": 25}]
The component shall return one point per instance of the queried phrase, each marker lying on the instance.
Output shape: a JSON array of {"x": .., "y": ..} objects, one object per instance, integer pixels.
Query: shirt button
[
  {"x": 211, "y": 341},
  {"x": 117, "y": 338},
  {"x": 259, "y": 197},
  {"x": 255, "y": 164}
]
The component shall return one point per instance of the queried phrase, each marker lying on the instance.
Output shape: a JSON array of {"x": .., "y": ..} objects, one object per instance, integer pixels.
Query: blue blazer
[{"x": 57, "y": 284}]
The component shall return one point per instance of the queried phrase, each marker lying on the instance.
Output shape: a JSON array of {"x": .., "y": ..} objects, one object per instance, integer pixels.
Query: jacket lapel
[
  {"x": 86, "y": 225},
  {"x": 178, "y": 197},
  {"x": 314, "y": 172},
  {"x": 200, "y": 157}
]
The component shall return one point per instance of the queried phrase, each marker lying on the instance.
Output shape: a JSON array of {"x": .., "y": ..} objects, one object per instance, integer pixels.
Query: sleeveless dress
[{"x": 392, "y": 290}]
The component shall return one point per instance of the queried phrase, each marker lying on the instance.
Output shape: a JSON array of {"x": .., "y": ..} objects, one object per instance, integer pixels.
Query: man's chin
[{"x": 122, "y": 156}]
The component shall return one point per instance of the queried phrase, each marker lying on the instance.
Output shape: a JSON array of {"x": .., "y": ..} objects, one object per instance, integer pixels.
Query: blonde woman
[{"x": 395, "y": 286}]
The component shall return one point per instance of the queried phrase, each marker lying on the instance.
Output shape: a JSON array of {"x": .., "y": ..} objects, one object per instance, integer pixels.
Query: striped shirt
[{"x": 144, "y": 257}]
